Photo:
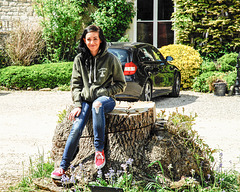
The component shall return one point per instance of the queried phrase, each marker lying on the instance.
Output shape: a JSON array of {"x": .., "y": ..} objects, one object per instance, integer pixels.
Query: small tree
[
  {"x": 114, "y": 17},
  {"x": 62, "y": 22}
]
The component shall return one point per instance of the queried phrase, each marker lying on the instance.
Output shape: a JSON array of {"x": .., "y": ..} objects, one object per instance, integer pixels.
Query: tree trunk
[
  {"x": 128, "y": 128},
  {"x": 131, "y": 132}
]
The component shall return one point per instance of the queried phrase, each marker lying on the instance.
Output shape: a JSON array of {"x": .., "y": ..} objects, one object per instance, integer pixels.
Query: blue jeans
[{"x": 98, "y": 117}]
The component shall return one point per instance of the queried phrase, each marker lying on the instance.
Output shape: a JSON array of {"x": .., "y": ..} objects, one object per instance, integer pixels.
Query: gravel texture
[{"x": 28, "y": 120}]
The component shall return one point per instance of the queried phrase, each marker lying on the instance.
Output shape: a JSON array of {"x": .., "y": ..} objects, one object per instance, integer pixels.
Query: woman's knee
[{"x": 96, "y": 105}]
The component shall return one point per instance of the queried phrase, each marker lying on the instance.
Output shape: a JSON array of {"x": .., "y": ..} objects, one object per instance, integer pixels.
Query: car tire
[
  {"x": 147, "y": 92},
  {"x": 176, "y": 86}
]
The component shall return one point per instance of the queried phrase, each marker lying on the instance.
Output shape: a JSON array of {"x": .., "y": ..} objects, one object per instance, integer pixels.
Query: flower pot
[{"x": 220, "y": 89}]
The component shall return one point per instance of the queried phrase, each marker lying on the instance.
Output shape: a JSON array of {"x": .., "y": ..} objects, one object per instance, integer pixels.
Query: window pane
[
  {"x": 165, "y": 9},
  {"x": 145, "y": 32},
  {"x": 145, "y": 9},
  {"x": 165, "y": 34}
]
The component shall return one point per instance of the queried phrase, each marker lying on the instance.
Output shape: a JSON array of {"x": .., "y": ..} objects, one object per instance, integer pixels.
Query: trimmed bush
[
  {"x": 186, "y": 59},
  {"x": 36, "y": 76}
]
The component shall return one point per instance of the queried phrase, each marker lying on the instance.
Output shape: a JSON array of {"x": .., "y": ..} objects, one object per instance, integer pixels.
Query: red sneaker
[
  {"x": 99, "y": 159},
  {"x": 58, "y": 173}
]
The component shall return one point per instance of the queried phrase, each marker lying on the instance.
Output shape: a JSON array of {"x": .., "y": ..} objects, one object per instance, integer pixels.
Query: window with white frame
[{"x": 154, "y": 22}]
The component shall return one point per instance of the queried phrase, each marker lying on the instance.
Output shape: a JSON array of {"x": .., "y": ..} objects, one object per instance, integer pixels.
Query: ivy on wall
[{"x": 210, "y": 26}]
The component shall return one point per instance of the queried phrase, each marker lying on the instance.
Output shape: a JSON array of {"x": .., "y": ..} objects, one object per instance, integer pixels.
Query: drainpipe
[{"x": 237, "y": 85}]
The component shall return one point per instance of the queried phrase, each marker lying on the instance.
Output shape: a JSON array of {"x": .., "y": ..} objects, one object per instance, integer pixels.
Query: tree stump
[{"x": 131, "y": 132}]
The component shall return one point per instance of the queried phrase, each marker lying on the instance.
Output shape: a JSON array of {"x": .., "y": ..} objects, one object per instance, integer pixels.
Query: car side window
[
  {"x": 121, "y": 54},
  {"x": 158, "y": 56},
  {"x": 145, "y": 54}
]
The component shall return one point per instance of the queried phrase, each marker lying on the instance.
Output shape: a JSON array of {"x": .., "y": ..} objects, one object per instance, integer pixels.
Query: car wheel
[
  {"x": 147, "y": 92},
  {"x": 176, "y": 86}
]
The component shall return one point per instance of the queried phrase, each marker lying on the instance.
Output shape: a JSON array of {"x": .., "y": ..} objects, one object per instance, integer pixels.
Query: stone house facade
[
  {"x": 12, "y": 11},
  {"x": 15, "y": 10}
]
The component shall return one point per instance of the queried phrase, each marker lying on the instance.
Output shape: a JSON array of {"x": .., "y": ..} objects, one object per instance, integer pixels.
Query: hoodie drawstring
[
  {"x": 94, "y": 72},
  {"x": 90, "y": 75}
]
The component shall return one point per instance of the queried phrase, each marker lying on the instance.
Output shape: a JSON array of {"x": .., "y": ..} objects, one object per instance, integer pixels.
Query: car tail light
[{"x": 130, "y": 68}]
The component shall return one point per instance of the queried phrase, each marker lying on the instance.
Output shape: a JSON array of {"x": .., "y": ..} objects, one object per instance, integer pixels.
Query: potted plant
[{"x": 217, "y": 85}]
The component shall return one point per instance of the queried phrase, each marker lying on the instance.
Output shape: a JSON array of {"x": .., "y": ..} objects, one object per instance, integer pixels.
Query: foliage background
[
  {"x": 210, "y": 26},
  {"x": 61, "y": 22},
  {"x": 114, "y": 17},
  {"x": 64, "y": 20}
]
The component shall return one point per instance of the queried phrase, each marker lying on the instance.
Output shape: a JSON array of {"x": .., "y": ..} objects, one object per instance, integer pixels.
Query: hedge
[{"x": 36, "y": 76}]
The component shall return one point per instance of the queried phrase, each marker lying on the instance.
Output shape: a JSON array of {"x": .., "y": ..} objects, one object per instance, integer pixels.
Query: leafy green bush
[
  {"x": 200, "y": 83},
  {"x": 208, "y": 66},
  {"x": 223, "y": 69},
  {"x": 186, "y": 59},
  {"x": 114, "y": 17},
  {"x": 62, "y": 22},
  {"x": 36, "y": 76},
  {"x": 203, "y": 82},
  {"x": 227, "y": 62}
]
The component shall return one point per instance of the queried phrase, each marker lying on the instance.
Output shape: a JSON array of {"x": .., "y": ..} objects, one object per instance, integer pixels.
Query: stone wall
[{"x": 12, "y": 11}]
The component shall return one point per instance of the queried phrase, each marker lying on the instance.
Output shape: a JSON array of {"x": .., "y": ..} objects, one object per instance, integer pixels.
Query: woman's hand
[{"x": 74, "y": 113}]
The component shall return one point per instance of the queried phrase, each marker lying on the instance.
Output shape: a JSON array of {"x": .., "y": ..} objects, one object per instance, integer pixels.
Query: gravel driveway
[{"x": 28, "y": 120}]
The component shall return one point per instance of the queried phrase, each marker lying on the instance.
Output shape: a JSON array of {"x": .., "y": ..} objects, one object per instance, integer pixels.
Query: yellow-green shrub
[{"x": 187, "y": 60}]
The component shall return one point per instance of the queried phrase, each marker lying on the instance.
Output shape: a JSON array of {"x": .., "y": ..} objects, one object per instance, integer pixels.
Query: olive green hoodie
[{"x": 102, "y": 76}]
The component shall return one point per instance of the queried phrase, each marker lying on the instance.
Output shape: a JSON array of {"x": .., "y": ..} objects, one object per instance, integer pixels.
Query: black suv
[{"x": 147, "y": 72}]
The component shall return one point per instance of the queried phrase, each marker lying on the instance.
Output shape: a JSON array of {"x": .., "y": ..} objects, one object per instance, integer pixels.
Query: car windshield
[{"x": 122, "y": 54}]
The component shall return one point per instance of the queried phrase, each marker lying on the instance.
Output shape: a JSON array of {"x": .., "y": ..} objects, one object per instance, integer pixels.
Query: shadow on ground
[
  {"x": 4, "y": 93},
  {"x": 173, "y": 102}
]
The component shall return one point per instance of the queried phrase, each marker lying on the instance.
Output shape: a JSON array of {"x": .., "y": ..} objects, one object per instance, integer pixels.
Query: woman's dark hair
[{"x": 92, "y": 28}]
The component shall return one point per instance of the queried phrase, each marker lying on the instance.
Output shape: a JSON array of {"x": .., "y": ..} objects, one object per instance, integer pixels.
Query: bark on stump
[{"x": 131, "y": 132}]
